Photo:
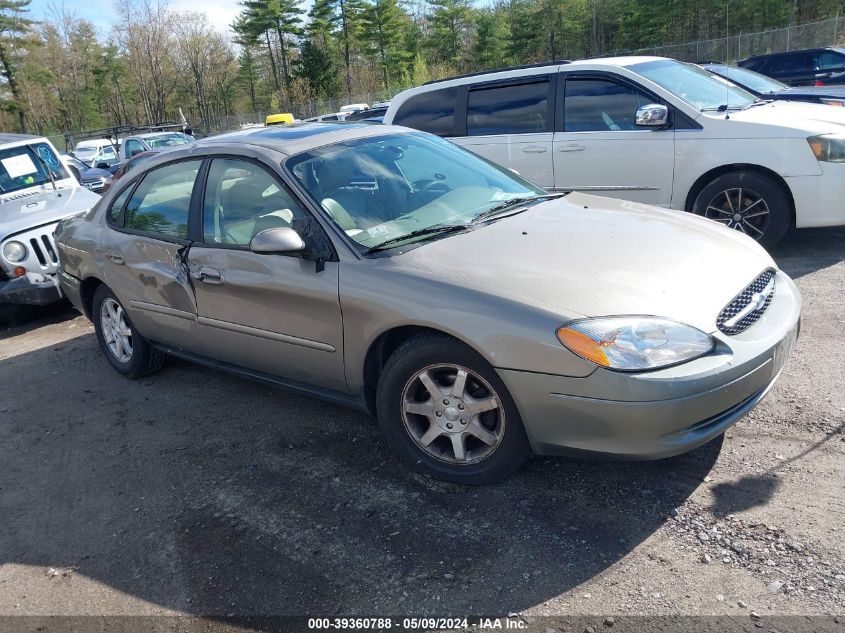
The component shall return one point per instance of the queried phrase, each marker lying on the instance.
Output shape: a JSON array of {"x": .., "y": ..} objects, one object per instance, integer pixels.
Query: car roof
[
  {"x": 796, "y": 52},
  {"x": 16, "y": 138},
  {"x": 301, "y": 137}
]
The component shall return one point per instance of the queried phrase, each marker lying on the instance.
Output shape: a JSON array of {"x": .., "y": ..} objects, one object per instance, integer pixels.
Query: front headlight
[
  {"x": 829, "y": 148},
  {"x": 634, "y": 343},
  {"x": 14, "y": 252}
]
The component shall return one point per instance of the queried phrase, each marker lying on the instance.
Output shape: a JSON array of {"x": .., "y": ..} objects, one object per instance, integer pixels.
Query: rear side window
[
  {"x": 432, "y": 112},
  {"x": 512, "y": 109},
  {"x": 161, "y": 202},
  {"x": 793, "y": 63},
  {"x": 118, "y": 204},
  {"x": 600, "y": 105}
]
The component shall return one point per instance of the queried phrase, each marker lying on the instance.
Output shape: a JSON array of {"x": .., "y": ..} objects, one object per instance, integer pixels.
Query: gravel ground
[{"x": 193, "y": 492}]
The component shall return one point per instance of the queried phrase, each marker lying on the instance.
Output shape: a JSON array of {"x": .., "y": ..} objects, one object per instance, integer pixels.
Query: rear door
[
  {"x": 598, "y": 148},
  {"x": 274, "y": 313},
  {"x": 143, "y": 253},
  {"x": 511, "y": 123},
  {"x": 795, "y": 69}
]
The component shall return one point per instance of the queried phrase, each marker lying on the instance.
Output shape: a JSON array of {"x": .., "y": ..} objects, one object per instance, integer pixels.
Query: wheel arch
[
  {"x": 384, "y": 345},
  {"x": 709, "y": 176},
  {"x": 87, "y": 289}
]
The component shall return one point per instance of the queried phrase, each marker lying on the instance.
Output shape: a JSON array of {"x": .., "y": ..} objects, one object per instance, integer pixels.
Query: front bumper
[
  {"x": 658, "y": 414},
  {"x": 31, "y": 289},
  {"x": 818, "y": 199}
]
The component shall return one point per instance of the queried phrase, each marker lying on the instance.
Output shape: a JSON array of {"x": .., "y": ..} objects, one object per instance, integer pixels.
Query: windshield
[
  {"x": 694, "y": 85},
  {"x": 380, "y": 189},
  {"x": 167, "y": 140},
  {"x": 26, "y": 166},
  {"x": 748, "y": 78},
  {"x": 85, "y": 152}
]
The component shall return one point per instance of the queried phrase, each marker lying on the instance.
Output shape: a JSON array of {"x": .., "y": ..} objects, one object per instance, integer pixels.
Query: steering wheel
[{"x": 430, "y": 185}]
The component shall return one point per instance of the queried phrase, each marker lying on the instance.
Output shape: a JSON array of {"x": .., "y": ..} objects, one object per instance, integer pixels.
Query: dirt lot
[{"x": 193, "y": 492}]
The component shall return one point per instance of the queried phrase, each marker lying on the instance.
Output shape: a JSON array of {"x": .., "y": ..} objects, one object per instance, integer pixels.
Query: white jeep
[{"x": 36, "y": 192}]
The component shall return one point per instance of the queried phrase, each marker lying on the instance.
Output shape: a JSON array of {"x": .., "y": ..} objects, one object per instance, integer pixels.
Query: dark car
[
  {"x": 813, "y": 66},
  {"x": 126, "y": 165},
  {"x": 97, "y": 179},
  {"x": 764, "y": 87}
]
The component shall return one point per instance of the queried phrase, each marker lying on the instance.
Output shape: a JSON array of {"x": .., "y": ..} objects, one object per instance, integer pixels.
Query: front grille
[
  {"x": 758, "y": 293},
  {"x": 42, "y": 246}
]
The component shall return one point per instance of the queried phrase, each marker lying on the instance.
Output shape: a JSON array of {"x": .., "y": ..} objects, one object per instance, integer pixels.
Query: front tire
[
  {"x": 447, "y": 413},
  {"x": 749, "y": 202},
  {"x": 129, "y": 353}
]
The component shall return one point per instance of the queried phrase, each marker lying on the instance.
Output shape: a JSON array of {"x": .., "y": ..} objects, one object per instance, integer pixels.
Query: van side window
[
  {"x": 432, "y": 112},
  {"x": 600, "y": 105},
  {"x": 509, "y": 109}
]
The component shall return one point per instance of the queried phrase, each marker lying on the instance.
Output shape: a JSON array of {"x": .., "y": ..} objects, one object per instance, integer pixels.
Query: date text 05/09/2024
[{"x": 413, "y": 624}]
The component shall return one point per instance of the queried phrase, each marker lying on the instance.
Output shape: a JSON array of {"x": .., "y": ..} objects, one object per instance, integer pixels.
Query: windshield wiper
[
  {"x": 507, "y": 204},
  {"x": 758, "y": 103},
  {"x": 722, "y": 108},
  {"x": 430, "y": 231}
]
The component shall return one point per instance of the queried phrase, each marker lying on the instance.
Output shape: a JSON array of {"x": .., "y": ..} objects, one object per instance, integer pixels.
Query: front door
[
  {"x": 511, "y": 124},
  {"x": 599, "y": 148},
  {"x": 143, "y": 253},
  {"x": 270, "y": 313}
]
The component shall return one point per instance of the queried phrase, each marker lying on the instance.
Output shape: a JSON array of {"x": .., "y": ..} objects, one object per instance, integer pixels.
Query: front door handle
[
  {"x": 571, "y": 147},
  {"x": 533, "y": 149},
  {"x": 115, "y": 257},
  {"x": 208, "y": 275}
]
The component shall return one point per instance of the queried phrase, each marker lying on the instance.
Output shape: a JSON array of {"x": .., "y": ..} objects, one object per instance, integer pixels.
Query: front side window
[
  {"x": 432, "y": 112},
  {"x": 827, "y": 60},
  {"x": 30, "y": 165},
  {"x": 161, "y": 202},
  {"x": 593, "y": 105},
  {"x": 694, "y": 85},
  {"x": 514, "y": 109},
  {"x": 383, "y": 188},
  {"x": 242, "y": 199}
]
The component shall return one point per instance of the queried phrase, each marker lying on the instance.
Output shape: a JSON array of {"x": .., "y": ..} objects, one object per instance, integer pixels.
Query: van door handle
[
  {"x": 208, "y": 275},
  {"x": 571, "y": 147},
  {"x": 115, "y": 257},
  {"x": 534, "y": 149}
]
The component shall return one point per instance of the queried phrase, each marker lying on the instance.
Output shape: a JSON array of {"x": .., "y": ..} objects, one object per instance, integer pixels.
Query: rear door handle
[
  {"x": 115, "y": 257},
  {"x": 571, "y": 147},
  {"x": 208, "y": 275},
  {"x": 534, "y": 149}
]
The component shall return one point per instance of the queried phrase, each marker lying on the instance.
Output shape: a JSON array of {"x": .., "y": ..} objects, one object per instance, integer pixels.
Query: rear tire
[
  {"x": 129, "y": 353},
  {"x": 749, "y": 202},
  {"x": 447, "y": 413}
]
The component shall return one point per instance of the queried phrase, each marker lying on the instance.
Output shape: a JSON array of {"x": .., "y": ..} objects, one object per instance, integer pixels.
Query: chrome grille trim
[{"x": 759, "y": 292}]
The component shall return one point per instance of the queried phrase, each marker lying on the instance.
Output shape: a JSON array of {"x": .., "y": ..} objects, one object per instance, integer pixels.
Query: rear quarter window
[{"x": 432, "y": 112}]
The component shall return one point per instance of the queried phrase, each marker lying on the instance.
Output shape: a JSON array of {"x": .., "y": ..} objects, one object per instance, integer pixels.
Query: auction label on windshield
[{"x": 20, "y": 165}]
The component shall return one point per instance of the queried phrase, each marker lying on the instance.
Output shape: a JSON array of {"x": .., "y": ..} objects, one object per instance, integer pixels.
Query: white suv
[{"x": 651, "y": 130}]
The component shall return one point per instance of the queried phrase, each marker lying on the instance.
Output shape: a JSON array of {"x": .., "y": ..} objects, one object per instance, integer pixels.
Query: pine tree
[
  {"x": 14, "y": 27},
  {"x": 449, "y": 21},
  {"x": 382, "y": 22}
]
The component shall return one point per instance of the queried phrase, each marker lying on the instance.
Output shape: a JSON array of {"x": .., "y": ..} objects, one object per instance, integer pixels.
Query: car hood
[
  {"x": 833, "y": 92},
  {"x": 585, "y": 255},
  {"x": 792, "y": 116},
  {"x": 94, "y": 174},
  {"x": 43, "y": 208}
]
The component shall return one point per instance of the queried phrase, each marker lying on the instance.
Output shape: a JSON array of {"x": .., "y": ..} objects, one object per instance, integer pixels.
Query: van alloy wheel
[
  {"x": 116, "y": 332},
  {"x": 453, "y": 414},
  {"x": 742, "y": 209}
]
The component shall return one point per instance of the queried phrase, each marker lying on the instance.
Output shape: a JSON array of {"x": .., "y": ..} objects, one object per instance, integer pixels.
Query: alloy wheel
[
  {"x": 116, "y": 332},
  {"x": 453, "y": 414},
  {"x": 741, "y": 209}
]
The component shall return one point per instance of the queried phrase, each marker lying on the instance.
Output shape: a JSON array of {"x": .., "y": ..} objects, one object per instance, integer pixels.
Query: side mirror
[
  {"x": 652, "y": 115},
  {"x": 103, "y": 165},
  {"x": 278, "y": 240}
]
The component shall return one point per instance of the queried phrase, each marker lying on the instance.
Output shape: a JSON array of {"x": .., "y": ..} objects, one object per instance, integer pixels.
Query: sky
[{"x": 102, "y": 14}]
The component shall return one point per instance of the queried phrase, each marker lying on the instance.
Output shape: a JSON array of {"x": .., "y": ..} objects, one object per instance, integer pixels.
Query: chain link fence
[{"x": 736, "y": 47}]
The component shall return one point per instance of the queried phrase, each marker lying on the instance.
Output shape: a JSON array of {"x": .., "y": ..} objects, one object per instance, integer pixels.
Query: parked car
[
  {"x": 477, "y": 316},
  {"x": 125, "y": 166},
  {"x": 372, "y": 114},
  {"x": 764, "y": 87},
  {"x": 650, "y": 130},
  {"x": 285, "y": 118},
  {"x": 354, "y": 107},
  {"x": 133, "y": 145},
  {"x": 36, "y": 191},
  {"x": 325, "y": 118},
  {"x": 93, "y": 151},
  {"x": 813, "y": 66},
  {"x": 97, "y": 179},
  {"x": 73, "y": 165}
]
